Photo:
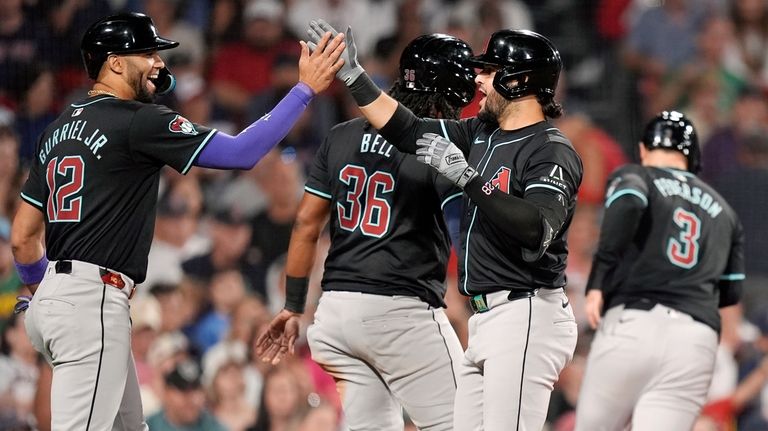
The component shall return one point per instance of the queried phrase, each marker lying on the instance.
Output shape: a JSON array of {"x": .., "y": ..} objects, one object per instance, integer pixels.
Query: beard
[
  {"x": 494, "y": 107},
  {"x": 142, "y": 94},
  {"x": 140, "y": 88}
]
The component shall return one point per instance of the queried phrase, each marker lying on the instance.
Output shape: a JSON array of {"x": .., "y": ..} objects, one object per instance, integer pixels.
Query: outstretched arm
[
  {"x": 279, "y": 338},
  {"x": 316, "y": 72}
]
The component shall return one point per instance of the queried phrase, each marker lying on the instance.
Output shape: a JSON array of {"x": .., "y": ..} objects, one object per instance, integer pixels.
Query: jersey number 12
[
  {"x": 62, "y": 205},
  {"x": 371, "y": 215}
]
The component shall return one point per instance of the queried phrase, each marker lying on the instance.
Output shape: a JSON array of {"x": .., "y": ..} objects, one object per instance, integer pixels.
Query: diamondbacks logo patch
[
  {"x": 182, "y": 125},
  {"x": 501, "y": 179}
]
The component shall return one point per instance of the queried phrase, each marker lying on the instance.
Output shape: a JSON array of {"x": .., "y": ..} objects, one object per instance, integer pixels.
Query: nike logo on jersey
[
  {"x": 565, "y": 302},
  {"x": 478, "y": 141}
]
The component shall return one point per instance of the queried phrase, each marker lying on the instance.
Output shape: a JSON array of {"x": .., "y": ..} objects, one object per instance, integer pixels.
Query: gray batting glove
[
  {"x": 440, "y": 153},
  {"x": 351, "y": 68}
]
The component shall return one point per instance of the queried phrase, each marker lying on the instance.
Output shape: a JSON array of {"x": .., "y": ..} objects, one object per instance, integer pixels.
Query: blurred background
[{"x": 216, "y": 265}]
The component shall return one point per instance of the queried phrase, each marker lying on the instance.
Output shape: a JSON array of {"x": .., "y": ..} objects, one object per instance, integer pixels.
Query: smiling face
[
  {"x": 492, "y": 105},
  {"x": 140, "y": 70}
]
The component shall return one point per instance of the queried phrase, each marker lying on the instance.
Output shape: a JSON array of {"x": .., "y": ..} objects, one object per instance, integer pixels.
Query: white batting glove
[
  {"x": 440, "y": 153},
  {"x": 351, "y": 68}
]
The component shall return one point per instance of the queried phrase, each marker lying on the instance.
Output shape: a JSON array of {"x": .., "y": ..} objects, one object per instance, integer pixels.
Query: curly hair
[
  {"x": 423, "y": 104},
  {"x": 551, "y": 108}
]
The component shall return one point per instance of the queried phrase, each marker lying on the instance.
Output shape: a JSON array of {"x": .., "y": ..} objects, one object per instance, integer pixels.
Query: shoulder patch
[{"x": 181, "y": 125}]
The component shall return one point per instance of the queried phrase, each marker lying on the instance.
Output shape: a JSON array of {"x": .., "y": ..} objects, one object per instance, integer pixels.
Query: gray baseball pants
[
  {"x": 652, "y": 368},
  {"x": 82, "y": 327},
  {"x": 387, "y": 353},
  {"x": 515, "y": 354}
]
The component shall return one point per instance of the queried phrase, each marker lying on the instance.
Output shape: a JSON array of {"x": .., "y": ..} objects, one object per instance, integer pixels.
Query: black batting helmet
[
  {"x": 125, "y": 33},
  {"x": 436, "y": 63},
  {"x": 527, "y": 63},
  {"x": 671, "y": 130}
]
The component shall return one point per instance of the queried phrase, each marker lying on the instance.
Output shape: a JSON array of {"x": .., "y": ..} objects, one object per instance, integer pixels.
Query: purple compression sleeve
[{"x": 249, "y": 146}]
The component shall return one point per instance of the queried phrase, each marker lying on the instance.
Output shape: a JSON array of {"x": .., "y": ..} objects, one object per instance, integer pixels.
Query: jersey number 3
[
  {"x": 684, "y": 252},
  {"x": 63, "y": 204},
  {"x": 371, "y": 215}
]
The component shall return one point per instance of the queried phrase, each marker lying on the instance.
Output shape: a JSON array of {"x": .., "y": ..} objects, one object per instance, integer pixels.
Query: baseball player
[
  {"x": 92, "y": 194},
  {"x": 520, "y": 177},
  {"x": 670, "y": 254},
  {"x": 383, "y": 284}
]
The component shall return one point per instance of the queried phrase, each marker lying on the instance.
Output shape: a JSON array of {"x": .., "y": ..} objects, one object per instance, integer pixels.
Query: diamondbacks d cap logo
[{"x": 182, "y": 125}]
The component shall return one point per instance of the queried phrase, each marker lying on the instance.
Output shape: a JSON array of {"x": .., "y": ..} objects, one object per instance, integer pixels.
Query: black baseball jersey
[
  {"x": 96, "y": 176},
  {"x": 536, "y": 163},
  {"x": 388, "y": 235},
  {"x": 675, "y": 241}
]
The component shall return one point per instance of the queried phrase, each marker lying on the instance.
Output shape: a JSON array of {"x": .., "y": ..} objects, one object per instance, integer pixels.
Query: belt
[
  {"x": 485, "y": 301},
  {"x": 107, "y": 276}
]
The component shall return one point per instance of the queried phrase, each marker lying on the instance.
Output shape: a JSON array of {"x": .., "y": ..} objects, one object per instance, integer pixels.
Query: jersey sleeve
[
  {"x": 551, "y": 181},
  {"x": 733, "y": 275},
  {"x": 161, "y": 136},
  {"x": 626, "y": 202},
  {"x": 626, "y": 183},
  {"x": 319, "y": 182},
  {"x": 33, "y": 191}
]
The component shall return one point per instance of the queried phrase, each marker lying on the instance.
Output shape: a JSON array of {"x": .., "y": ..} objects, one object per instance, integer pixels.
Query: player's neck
[
  {"x": 521, "y": 113},
  {"x": 664, "y": 159}
]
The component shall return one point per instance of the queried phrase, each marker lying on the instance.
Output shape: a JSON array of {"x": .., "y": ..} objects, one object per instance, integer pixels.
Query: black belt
[
  {"x": 107, "y": 276},
  {"x": 479, "y": 303},
  {"x": 640, "y": 304}
]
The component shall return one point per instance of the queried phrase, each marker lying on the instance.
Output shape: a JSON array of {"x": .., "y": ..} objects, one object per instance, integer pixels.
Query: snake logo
[{"x": 182, "y": 125}]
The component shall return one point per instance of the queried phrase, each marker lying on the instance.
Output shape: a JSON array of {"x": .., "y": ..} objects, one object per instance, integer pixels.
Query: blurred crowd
[{"x": 215, "y": 273}]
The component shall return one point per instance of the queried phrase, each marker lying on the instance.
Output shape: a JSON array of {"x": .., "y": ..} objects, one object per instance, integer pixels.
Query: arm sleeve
[
  {"x": 550, "y": 182},
  {"x": 247, "y": 148},
  {"x": 404, "y": 128},
  {"x": 517, "y": 217},
  {"x": 626, "y": 202},
  {"x": 730, "y": 284}
]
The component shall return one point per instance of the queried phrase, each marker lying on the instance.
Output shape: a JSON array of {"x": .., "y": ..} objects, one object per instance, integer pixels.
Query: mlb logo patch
[{"x": 182, "y": 125}]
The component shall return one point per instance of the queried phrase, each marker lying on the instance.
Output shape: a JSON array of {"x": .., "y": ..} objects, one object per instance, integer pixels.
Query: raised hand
[
  {"x": 351, "y": 68},
  {"x": 279, "y": 338},
  {"x": 318, "y": 68},
  {"x": 440, "y": 153}
]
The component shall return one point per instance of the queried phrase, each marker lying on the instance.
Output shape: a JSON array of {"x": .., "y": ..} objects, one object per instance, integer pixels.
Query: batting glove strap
[{"x": 468, "y": 175}]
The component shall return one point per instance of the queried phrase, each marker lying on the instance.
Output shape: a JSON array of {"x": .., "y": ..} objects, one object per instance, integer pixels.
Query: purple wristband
[
  {"x": 306, "y": 91},
  {"x": 32, "y": 273}
]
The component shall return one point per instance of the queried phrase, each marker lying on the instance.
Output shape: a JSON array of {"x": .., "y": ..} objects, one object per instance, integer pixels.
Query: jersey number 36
[{"x": 364, "y": 207}]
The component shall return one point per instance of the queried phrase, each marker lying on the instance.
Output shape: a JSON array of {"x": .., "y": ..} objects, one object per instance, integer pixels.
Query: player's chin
[{"x": 146, "y": 93}]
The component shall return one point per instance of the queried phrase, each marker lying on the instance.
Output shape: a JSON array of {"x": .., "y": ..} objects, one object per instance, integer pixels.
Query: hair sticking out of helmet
[
  {"x": 526, "y": 63},
  {"x": 671, "y": 130},
  {"x": 126, "y": 33},
  {"x": 436, "y": 63}
]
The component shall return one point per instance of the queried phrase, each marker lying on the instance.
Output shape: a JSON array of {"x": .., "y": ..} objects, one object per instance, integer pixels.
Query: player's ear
[
  {"x": 116, "y": 63},
  {"x": 642, "y": 151}
]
